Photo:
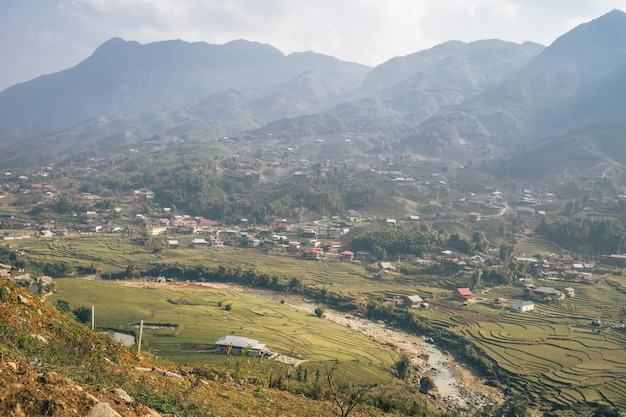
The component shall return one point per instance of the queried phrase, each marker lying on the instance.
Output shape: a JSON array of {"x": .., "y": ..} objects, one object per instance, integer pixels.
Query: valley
[{"x": 464, "y": 204}]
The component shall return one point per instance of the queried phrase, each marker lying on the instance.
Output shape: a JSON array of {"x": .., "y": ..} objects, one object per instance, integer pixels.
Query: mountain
[
  {"x": 404, "y": 91},
  {"x": 509, "y": 105},
  {"x": 573, "y": 85},
  {"x": 127, "y": 77}
]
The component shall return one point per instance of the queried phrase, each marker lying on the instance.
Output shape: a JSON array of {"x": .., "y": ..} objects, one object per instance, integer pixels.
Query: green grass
[
  {"x": 198, "y": 326},
  {"x": 553, "y": 352}
]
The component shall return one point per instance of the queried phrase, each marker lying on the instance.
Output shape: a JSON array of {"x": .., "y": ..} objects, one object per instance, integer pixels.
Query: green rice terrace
[
  {"x": 566, "y": 353},
  {"x": 183, "y": 323}
]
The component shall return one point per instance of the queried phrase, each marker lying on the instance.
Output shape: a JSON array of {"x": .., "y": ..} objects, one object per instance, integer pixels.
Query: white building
[{"x": 523, "y": 306}]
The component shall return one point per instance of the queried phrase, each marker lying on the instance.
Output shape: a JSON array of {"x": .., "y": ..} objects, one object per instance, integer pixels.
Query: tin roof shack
[
  {"x": 238, "y": 345},
  {"x": 412, "y": 301},
  {"x": 548, "y": 294}
]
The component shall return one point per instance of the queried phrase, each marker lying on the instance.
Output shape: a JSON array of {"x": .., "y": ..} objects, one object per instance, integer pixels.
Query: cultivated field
[
  {"x": 182, "y": 322},
  {"x": 553, "y": 353}
]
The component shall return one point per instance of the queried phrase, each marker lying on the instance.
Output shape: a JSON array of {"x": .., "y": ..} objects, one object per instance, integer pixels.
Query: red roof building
[
  {"x": 464, "y": 294},
  {"x": 346, "y": 255}
]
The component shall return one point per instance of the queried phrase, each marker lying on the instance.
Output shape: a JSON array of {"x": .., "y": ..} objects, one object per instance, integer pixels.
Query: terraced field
[
  {"x": 554, "y": 352},
  {"x": 113, "y": 254},
  {"x": 192, "y": 318}
]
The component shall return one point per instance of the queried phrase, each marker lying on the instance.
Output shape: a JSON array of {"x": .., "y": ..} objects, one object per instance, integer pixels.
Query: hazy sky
[{"x": 45, "y": 36}]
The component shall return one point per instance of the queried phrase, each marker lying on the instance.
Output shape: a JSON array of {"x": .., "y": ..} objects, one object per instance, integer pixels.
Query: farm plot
[
  {"x": 565, "y": 364},
  {"x": 194, "y": 318}
]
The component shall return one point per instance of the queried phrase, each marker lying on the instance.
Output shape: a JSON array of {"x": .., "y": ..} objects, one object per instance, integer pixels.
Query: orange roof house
[{"x": 346, "y": 255}]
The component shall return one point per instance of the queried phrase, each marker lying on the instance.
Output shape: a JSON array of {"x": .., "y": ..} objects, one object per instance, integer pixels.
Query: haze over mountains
[{"x": 488, "y": 100}]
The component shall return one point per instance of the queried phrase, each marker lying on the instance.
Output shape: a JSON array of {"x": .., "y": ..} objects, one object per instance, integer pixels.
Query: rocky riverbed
[{"x": 455, "y": 387}]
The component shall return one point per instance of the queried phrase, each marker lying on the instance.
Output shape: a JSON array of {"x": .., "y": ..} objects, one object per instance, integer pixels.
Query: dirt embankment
[{"x": 27, "y": 392}]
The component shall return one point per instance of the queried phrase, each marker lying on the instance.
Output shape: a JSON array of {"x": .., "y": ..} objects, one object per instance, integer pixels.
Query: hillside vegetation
[{"x": 41, "y": 347}]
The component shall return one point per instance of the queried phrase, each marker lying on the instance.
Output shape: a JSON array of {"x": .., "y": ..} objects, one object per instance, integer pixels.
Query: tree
[
  {"x": 63, "y": 305},
  {"x": 83, "y": 314},
  {"x": 403, "y": 367},
  {"x": 345, "y": 396},
  {"x": 506, "y": 251},
  {"x": 459, "y": 243},
  {"x": 295, "y": 285},
  {"x": 319, "y": 312},
  {"x": 476, "y": 281},
  {"x": 605, "y": 411},
  {"x": 480, "y": 241}
]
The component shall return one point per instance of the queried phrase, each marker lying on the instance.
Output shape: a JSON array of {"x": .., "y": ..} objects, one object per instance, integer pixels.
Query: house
[
  {"x": 237, "y": 345},
  {"x": 522, "y": 306},
  {"x": 413, "y": 301},
  {"x": 464, "y": 294},
  {"x": 525, "y": 282},
  {"x": 569, "y": 292},
  {"x": 547, "y": 293},
  {"x": 183, "y": 222},
  {"x": 200, "y": 243},
  {"x": 387, "y": 266},
  {"x": 313, "y": 253},
  {"x": 173, "y": 243},
  {"x": 334, "y": 232},
  {"x": 61, "y": 231},
  {"x": 333, "y": 245},
  {"x": 253, "y": 242},
  {"x": 614, "y": 259},
  {"x": 207, "y": 224},
  {"x": 346, "y": 255}
]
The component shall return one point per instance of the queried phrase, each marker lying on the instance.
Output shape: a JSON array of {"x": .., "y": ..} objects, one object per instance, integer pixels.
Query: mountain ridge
[
  {"x": 484, "y": 99},
  {"x": 125, "y": 76}
]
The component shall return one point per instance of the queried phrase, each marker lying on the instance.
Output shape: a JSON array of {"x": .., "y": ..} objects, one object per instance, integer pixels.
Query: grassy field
[
  {"x": 553, "y": 353},
  {"x": 191, "y": 318},
  {"x": 113, "y": 254}
]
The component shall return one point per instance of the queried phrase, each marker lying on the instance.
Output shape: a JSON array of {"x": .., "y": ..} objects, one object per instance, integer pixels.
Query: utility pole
[{"x": 140, "y": 337}]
